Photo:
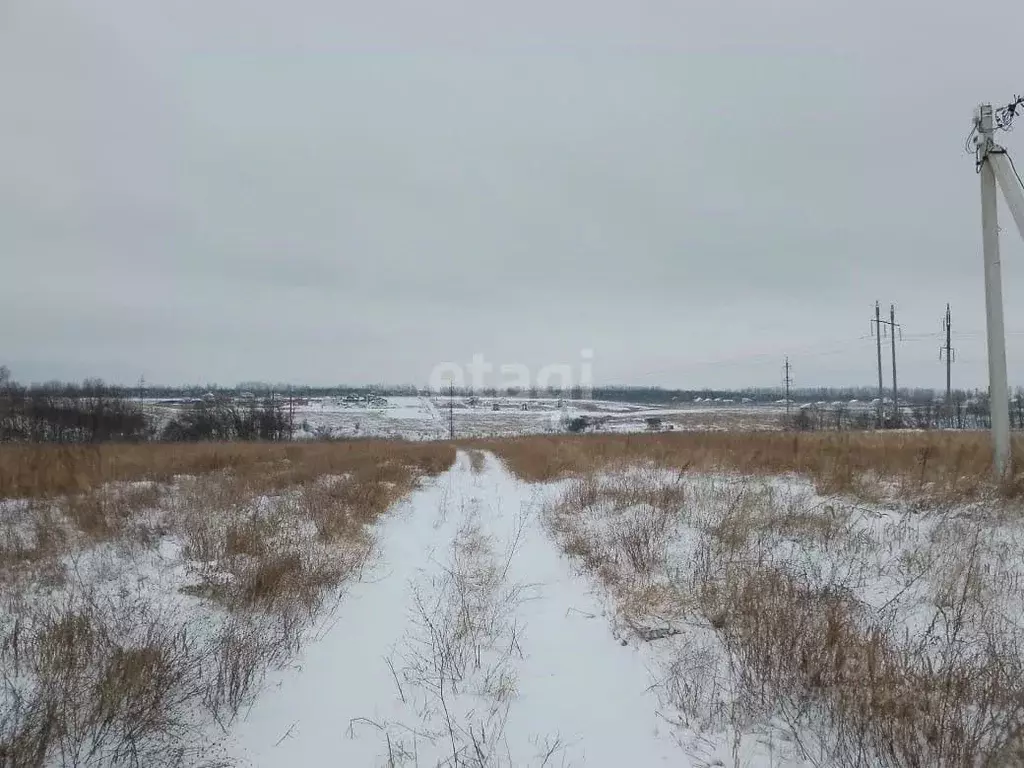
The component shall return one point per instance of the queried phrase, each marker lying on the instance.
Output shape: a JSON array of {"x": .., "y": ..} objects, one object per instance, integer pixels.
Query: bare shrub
[
  {"x": 97, "y": 681},
  {"x": 30, "y": 532},
  {"x": 642, "y": 536},
  {"x": 815, "y": 652},
  {"x": 245, "y": 646}
]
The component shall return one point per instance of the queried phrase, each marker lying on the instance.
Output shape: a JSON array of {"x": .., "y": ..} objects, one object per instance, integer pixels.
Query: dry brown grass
[
  {"x": 268, "y": 533},
  {"x": 766, "y": 587},
  {"x": 30, "y": 471},
  {"x": 264, "y": 550},
  {"x": 951, "y": 465},
  {"x": 816, "y": 652},
  {"x": 97, "y": 682}
]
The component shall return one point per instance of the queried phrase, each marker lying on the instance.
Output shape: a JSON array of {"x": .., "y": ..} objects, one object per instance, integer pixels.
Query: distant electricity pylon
[
  {"x": 993, "y": 164},
  {"x": 878, "y": 330},
  {"x": 788, "y": 381},
  {"x": 291, "y": 414},
  {"x": 451, "y": 410},
  {"x": 948, "y": 354},
  {"x": 894, "y": 327}
]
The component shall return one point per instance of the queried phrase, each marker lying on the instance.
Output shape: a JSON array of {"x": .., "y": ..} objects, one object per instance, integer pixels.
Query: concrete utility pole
[
  {"x": 895, "y": 391},
  {"x": 788, "y": 382},
  {"x": 877, "y": 328},
  {"x": 999, "y": 396},
  {"x": 948, "y": 352},
  {"x": 451, "y": 410},
  {"x": 291, "y": 414},
  {"x": 878, "y": 325}
]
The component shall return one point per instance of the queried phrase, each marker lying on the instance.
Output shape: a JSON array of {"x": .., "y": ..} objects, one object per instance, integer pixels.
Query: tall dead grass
[
  {"x": 951, "y": 465},
  {"x": 32, "y": 471},
  {"x": 891, "y": 644},
  {"x": 108, "y": 670},
  {"x": 455, "y": 670},
  {"x": 98, "y": 680}
]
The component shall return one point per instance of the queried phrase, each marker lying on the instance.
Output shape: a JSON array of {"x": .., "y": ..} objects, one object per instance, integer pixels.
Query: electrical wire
[
  {"x": 1014, "y": 167},
  {"x": 1002, "y": 151},
  {"x": 1004, "y": 115},
  {"x": 968, "y": 147},
  {"x": 1003, "y": 121},
  {"x": 913, "y": 343}
]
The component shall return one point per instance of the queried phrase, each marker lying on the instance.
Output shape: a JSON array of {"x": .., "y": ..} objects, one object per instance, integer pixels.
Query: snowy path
[{"x": 577, "y": 692}]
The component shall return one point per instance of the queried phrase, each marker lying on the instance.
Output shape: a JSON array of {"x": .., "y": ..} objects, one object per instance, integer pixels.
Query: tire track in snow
[{"x": 576, "y": 692}]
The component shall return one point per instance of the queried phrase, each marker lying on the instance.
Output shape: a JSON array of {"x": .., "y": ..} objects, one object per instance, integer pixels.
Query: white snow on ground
[
  {"x": 900, "y": 568},
  {"x": 426, "y": 417},
  {"x": 473, "y": 634},
  {"x": 566, "y": 687}
]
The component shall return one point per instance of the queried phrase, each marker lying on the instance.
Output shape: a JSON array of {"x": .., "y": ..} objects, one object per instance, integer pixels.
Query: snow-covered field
[
  {"x": 428, "y": 417},
  {"x": 791, "y": 628},
  {"x": 471, "y": 642},
  {"x": 630, "y": 615}
]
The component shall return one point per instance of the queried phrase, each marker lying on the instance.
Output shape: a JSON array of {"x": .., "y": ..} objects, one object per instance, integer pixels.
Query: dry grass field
[
  {"x": 939, "y": 466},
  {"x": 146, "y": 589},
  {"x": 807, "y": 599},
  {"x": 855, "y": 599}
]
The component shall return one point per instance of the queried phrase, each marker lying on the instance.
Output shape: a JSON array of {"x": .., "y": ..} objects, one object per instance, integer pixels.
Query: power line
[
  {"x": 819, "y": 349},
  {"x": 1003, "y": 117},
  {"x": 1014, "y": 167}
]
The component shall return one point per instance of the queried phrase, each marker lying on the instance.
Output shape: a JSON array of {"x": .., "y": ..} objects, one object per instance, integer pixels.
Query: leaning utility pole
[
  {"x": 993, "y": 165},
  {"x": 948, "y": 353},
  {"x": 788, "y": 382},
  {"x": 895, "y": 391}
]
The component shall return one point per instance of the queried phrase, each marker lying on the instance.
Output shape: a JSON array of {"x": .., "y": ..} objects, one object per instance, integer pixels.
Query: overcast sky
[{"x": 329, "y": 191}]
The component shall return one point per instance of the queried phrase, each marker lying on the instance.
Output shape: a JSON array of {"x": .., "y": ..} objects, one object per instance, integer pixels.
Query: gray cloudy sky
[{"x": 331, "y": 191}]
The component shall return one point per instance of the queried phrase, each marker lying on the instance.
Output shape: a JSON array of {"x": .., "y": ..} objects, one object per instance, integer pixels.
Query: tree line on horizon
[{"x": 93, "y": 411}]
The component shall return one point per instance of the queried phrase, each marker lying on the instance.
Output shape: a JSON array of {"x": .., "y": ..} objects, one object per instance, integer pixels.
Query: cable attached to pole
[
  {"x": 1003, "y": 117},
  {"x": 1012, "y": 165},
  {"x": 1002, "y": 120}
]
